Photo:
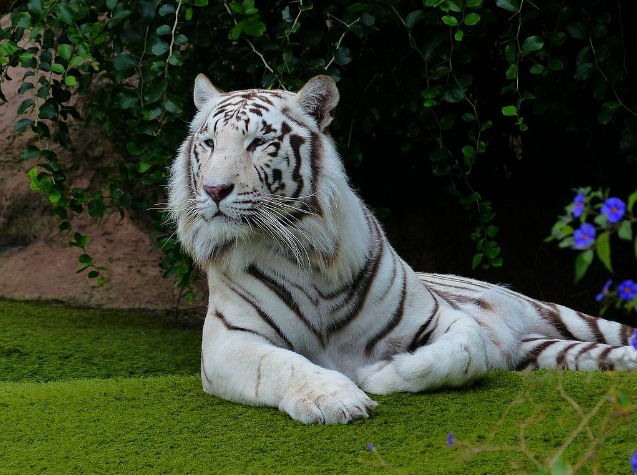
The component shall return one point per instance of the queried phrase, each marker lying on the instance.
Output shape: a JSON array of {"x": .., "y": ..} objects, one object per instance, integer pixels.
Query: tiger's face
[{"x": 252, "y": 163}]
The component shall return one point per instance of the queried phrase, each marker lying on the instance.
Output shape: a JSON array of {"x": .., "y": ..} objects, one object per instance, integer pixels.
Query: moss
[{"x": 166, "y": 424}]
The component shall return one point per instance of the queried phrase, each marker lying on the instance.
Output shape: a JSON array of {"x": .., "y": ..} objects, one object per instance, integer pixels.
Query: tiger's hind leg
[
  {"x": 448, "y": 352},
  {"x": 537, "y": 351}
]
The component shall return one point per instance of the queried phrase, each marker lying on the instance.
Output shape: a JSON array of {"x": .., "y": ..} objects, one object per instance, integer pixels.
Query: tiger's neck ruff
[{"x": 309, "y": 303}]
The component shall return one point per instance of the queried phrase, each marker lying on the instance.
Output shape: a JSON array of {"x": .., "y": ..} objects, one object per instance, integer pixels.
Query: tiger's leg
[
  {"x": 537, "y": 351},
  {"x": 244, "y": 366},
  {"x": 455, "y": 356}
]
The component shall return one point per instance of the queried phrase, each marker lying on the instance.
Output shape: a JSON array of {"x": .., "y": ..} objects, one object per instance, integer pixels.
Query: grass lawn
[{"x": 85, "y": 391}]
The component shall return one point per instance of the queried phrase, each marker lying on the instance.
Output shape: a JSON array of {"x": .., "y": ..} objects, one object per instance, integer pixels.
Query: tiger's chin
[{"x": 212, "y": 239}]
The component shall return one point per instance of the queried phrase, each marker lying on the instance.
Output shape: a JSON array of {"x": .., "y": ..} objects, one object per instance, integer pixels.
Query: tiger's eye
[
  {"x": 209, "y": 143},
  {"x": 258, "y": 142}
]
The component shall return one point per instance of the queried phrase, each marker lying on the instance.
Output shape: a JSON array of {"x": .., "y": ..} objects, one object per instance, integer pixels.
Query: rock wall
[{"x": 35, "y": 259}]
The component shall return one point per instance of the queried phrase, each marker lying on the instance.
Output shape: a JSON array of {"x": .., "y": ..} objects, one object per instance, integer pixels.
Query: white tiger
[{"x": 309, "y": 304}]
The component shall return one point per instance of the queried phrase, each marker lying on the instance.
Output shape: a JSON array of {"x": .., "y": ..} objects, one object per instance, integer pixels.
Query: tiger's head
[{"x": 257, "y": 166}]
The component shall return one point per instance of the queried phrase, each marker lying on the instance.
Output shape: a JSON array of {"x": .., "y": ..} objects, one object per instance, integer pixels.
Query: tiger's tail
[{"x": 566, "y": 338}]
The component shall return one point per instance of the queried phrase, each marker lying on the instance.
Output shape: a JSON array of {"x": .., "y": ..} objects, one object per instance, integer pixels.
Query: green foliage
[{"x": 422, "y": 62}]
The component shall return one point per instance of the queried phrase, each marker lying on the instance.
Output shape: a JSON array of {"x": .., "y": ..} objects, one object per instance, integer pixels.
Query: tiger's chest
[{"x": 336, "y": 326}]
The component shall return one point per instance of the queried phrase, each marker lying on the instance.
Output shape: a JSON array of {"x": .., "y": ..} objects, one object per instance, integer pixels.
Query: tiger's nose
[{"x": 219, "y": 192}]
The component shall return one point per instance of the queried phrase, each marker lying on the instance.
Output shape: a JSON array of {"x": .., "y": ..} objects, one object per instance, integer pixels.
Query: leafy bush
[{"x": 443, "y": 80}]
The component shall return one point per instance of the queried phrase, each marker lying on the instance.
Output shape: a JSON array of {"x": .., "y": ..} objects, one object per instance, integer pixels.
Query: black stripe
[
  {"x": 249, "y": 298},
  {"x": 561, "y": 356},
  {"x": 357, "y": 295},
  {"x": 203, "y": 370},
  {"x": 296, "y": 141},
  {"x": 603, "y": 360},
  {"x": 286, "y": 297},
  {"x": 420, "y": 340},
  {"x": 231, "y": 327},
  {"x": 594, "y": 326},
  {"x": 626, "y": 332},
  {"x": 394, "y": 268},
  {"x": 552, "y": 316},
  {"x": 393, "y": 321},
  {"x": 533, "y": 356},
  {"x": 584, "y": 350}
]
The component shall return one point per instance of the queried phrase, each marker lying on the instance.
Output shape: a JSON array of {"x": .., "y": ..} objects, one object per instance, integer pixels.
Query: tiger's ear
[
  {"x": 204, "y": 91},
  {"x": 319, "y": 98}
]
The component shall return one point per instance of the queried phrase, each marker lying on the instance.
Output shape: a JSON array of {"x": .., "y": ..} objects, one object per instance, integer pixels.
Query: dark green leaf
[
  {"x": 65, "y": 51},
  {"x": 65, "y": 14},
  {"x": 509, "y": 53},
  {"x": 163, "y": 30},
  {"x": 413, "y": 18},
  {"x": 582, "y": 264},
  {"x": 449, "y": 20},
  {"x": 602, "y": 247},
  {"x": 23, "y": 20},
  {"x": 577, "y": 30},
  {"x": 632, "y": 199},
  {"x": 22, "y": 124},
  {"x": 509, "y": 5},
  {"x": 124, "y": 61},
  {"x": 536, "y": 69},
  {"x": 342, "y": 56},
  {"x": 608, "y": 110},
  {"x": 166, "y": 9},
  {"x": 532, "y": 43},
  {"x": 160, "y": 48},
  {"x": 625, "y": 231},
  {"x": 472, "y": 19},
  {"x": 25, "y": 105},
  {"x": 255, "y": 28},
  {"x": 584, "y": 71}
]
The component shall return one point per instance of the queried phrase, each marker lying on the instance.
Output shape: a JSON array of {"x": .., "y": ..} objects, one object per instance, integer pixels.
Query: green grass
[
  {"x": 122, "y": 420},
  {"x": 45, "y": 343}
]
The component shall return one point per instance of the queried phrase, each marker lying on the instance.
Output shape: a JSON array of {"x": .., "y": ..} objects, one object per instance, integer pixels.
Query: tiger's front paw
[
  {"x": 327, "y": 397},
  {"x": 381, "y": 378}
]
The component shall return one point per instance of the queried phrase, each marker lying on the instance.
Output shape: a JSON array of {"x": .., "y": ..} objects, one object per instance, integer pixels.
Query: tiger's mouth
[{"x": 219, "y": 216}]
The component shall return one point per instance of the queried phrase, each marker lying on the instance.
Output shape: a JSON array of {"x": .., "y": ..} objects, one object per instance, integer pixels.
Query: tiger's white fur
[{"x": 309, "y": 304}]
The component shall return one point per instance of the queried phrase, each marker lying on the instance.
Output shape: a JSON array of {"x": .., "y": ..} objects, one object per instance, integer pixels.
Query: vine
[{"x": 426, "y": 93}]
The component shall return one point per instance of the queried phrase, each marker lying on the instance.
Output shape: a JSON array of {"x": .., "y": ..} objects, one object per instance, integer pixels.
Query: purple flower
[
  {"x": 604, "y": 292},
  {"x": 450, "y": 439},
  {"x": 633, "y": 341},
  {"x": 584, "y": 236},
  {"x": 370, "y": 447},
  {"x": 633, "y": 461},
  {"x": 627, "y": 290},
  {"x": 580, "y": 201},
  {"x": 614, "y": 208}
]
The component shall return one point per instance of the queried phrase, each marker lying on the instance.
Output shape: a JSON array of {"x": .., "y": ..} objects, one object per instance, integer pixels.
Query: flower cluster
[
  {"x": 627, "y": 290},
  {"x": 612, "y": 211},
  {"x": 591, "y": 222}
]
